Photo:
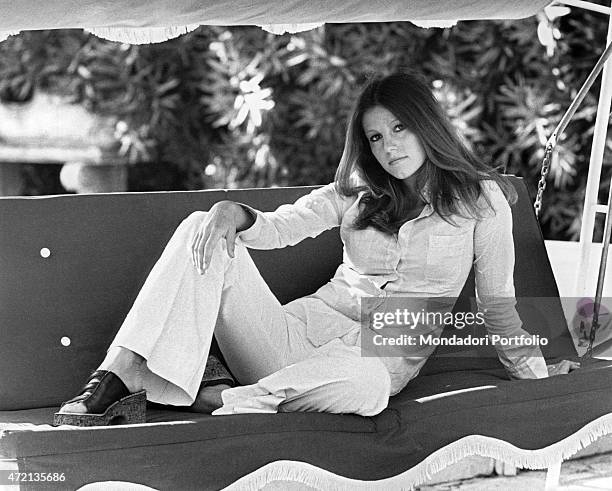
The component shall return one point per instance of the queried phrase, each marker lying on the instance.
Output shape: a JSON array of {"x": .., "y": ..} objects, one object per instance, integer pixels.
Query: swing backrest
[{"x": 71, "y": 266}]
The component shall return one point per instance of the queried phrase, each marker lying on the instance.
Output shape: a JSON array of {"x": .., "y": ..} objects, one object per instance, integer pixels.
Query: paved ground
[{"x": 590, "y": 473}]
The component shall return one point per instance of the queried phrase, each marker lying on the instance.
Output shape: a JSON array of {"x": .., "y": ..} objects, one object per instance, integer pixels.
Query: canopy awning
[{"x": 181, "y": 16}]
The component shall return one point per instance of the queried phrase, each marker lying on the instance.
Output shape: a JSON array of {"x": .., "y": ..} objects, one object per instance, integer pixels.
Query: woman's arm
[
  {"x": 312, "y": 214},
  {"x": 224, "y": 220},
  {"x": 494, "y": 270}
]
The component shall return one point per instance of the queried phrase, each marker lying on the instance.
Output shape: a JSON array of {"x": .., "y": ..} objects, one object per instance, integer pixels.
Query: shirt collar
[
  {"x": 426, "y": 191},
  {"x": 428, "y": 208}
]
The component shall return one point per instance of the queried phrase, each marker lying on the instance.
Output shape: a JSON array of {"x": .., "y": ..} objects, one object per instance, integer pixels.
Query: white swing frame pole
[{"x": 583, "y": 286}]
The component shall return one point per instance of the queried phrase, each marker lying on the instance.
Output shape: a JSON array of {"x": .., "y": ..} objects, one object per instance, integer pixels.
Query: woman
[{"x": 415, "y": 209}]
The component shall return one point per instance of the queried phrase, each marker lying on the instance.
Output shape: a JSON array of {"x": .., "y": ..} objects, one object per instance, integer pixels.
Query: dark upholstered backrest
[{"x": 101, "y": 250}]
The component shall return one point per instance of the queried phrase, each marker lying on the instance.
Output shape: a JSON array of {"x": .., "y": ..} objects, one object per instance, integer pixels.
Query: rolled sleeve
[
  {"x": 312, "y": 214},
  {"x": 254, "y": 231},
  {"x": 494, "y": 271}
]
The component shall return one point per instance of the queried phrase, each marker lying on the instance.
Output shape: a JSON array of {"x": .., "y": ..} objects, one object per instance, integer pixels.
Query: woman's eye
[
  {"x": 375, "y": 138},
  {"x": 399, "y": 127}
]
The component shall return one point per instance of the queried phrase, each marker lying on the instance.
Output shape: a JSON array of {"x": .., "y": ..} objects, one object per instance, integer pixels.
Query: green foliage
[{"x": 239, "y": 107}]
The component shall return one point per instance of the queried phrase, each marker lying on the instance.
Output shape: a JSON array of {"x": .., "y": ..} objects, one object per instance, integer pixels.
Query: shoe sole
[
  {"x": 131, "y": 409},
  {"x": 216, "y": 373}
]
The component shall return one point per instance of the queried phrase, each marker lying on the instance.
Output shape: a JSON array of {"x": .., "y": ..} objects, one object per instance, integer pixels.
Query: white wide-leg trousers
[{"x": 172, "y": 321}]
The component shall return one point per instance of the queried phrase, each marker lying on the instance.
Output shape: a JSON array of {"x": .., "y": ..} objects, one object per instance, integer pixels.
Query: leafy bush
[{"x": 240, "y": 107}]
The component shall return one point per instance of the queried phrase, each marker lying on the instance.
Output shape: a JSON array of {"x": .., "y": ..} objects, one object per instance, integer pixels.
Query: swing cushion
[{"x": 101, "y": 248}]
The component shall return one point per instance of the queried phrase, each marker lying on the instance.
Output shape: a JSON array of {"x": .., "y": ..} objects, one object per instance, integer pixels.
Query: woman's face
[{"x": 396, "y": 148}]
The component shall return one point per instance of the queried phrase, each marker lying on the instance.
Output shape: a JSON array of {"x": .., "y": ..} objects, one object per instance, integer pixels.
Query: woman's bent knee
[
  {"x": 363, "y": 387},
  {"x": 195, "y": 217},
  {"x": 189, "y": 224},
  {"x": 371, "y": 385}
]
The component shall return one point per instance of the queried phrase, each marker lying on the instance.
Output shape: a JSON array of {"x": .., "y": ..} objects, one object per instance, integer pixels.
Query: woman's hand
[
  {"x": 562, "y": 367},
  {"x": 224, "y": 220}
]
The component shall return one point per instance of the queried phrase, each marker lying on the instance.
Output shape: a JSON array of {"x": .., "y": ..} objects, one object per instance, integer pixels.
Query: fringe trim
[
  {"x": 5, "y": 34},
  {"x": 290, "y": 28},
  {"x": 310, "y": 475},
  {"x": 137, "y": 35},
  {"x": 434, "y": 23},
  {"x": 150, "y": 35}
]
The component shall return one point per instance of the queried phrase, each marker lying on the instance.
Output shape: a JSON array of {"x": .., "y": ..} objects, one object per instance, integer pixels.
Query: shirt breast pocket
[{"x": 445, "y": 255}]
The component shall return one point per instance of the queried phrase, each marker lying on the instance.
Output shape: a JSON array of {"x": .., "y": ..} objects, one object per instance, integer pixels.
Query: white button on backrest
[
  {"x": 65, "y": 341},
  {"x": 45, "y": 252}
]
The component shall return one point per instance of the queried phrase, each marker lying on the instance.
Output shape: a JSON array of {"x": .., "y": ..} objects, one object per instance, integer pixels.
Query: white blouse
[{"x": 429, "y": 257}]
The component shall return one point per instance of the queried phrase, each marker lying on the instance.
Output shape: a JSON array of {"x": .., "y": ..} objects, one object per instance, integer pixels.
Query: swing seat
[{"x": 71, "y": 267}]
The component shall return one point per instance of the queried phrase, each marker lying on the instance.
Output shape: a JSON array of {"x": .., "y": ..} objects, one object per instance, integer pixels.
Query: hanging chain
[
  {"x": 552, "y": 141},
  {"x": 548, "y": 152},
  {"x": 543, "y": 175},
  {"x": 589, "y": 352}
]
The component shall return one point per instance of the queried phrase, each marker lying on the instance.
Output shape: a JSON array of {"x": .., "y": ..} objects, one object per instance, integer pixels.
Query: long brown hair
[{"x": 451, "y": 173}]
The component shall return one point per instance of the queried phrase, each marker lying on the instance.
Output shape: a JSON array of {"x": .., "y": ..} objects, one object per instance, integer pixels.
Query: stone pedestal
[
  {"x": 88, "y": 178},
  {"x": 51, "y": 129}
]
